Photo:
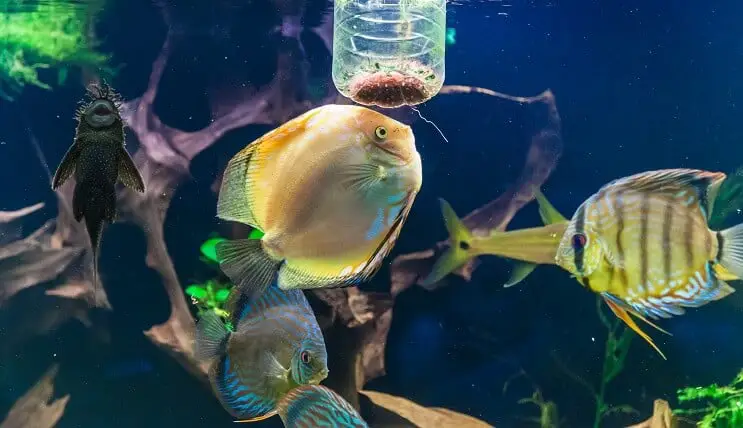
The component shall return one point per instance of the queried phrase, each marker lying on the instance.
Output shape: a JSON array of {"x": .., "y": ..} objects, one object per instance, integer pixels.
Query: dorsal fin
[
  {"x": 235, "y": 194},
  {"x": 705, "y": 184}
]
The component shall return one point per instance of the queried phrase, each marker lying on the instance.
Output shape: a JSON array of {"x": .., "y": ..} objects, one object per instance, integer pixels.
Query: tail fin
[
  {"x": 96, "y": 204},
  {"x": 94, "y": 227},
  {"x": 211, "y": 336},
  {"x": 730, "y": 242},
  {"x": 459, "y": 246},
  {"x": 549, "y": 215},
  {"x": 247, "y": 265}
]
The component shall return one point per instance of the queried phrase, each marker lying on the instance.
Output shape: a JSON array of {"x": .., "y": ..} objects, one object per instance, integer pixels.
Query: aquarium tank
[{"x": 370, "y": 213}]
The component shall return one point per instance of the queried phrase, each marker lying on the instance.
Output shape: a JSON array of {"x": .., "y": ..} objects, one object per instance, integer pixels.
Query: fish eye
[
  {"x": 380, "y": 132},
  {"x": 305, "y": 357},
  {"x": 579, "y": 241}
]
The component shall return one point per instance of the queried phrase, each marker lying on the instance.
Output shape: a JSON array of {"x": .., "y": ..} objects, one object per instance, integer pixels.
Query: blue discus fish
[
  {"x": 276, "y": 346},
  {"x": 311, "y": 406}
]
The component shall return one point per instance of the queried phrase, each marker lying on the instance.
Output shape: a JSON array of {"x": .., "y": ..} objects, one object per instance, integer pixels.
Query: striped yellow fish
[
  {"x": 329, "y": 189},
  {"x": 642, "y": 242}
]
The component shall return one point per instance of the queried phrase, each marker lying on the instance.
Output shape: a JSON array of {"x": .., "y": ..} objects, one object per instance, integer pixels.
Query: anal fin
[{"x": 623, "y": 314}]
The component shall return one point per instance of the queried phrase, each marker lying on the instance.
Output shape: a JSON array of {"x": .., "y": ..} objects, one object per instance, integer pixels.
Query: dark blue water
[{"x": 639, "y": 86}]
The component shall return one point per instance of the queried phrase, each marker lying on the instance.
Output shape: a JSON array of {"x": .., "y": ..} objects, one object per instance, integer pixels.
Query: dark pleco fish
[
  {"x": 277, "y": 345},
  {"x": 317, "y": 406},
  {"x": 98, "y": 160}
]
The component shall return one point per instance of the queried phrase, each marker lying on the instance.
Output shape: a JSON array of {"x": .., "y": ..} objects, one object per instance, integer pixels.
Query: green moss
[
  {"x": 52, "y": 34},
  {"x": 720, "y": 406}
]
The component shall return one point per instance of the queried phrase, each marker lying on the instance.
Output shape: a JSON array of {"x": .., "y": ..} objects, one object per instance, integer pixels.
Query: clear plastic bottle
[{"x": 389, "y": 53}]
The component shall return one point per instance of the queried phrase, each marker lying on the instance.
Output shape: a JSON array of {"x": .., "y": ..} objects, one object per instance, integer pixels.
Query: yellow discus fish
[
  {"x": 642, "y": 242},
  {"x": 329, "y": 189}
]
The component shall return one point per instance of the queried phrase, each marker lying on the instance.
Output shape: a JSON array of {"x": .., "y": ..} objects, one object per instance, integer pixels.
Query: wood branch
[
  {"x": 392, "y": 411},
  {"x": 163, "y": 158},
  {"x": 360, "y": 321},
  {"x": 663, "y": 417},
  {"x": 546, "y": 147},
  {"x": 34, "y": 409}
]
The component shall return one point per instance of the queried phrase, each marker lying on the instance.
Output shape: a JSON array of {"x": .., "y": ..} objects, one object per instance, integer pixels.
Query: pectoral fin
[
  {"x": 67, "y": 166},
  {"x": 128, "y": 172}
]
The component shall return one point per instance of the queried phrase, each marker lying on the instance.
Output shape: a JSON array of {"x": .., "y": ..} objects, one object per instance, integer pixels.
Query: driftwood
[
  {"x": 545, "y": 150},
  {"x": 391, "y": 411},
  {"x": 663, "y": 417},
  {"x": 358, "y": 322},
  {"x": 34, "y": 409},
  {"x": 50, "y": 269}
]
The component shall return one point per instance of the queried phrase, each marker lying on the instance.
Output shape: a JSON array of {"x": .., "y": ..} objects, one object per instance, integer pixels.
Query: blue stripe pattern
[
  {"x": 270, "y": 331},
  {"x": 314, "y": 406}
]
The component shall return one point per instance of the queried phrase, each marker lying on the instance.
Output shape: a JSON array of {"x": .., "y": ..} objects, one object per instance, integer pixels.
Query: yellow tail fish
[
  {"x": 643, "y": 243},
  {"x": 329, "y": 189}
]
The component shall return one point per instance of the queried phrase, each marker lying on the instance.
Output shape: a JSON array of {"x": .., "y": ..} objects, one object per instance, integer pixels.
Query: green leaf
[
  {"x": 255, "y": 234},
  {"x": 209, "y": 248},
  {"x": 196, "y": 291},
  {"x": 222, "y": 295}
]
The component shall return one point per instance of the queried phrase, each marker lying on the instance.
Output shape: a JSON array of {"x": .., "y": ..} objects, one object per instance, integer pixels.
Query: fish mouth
[
  {"x": 320, "y": 376},
  {"x": 100, "y": 114}
]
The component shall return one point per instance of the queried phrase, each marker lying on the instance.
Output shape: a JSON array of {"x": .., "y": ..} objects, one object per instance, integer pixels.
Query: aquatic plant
[
  {"x": 43, "y": 35},
  {"x": 724, "y": 404},
  {"x": 616, "y": 349},
  {"x": 549, "y": 416},
  {"x": 213, "y": 293}
]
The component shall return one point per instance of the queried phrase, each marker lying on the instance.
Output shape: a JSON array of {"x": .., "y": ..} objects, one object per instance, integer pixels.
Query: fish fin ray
[
  {"x": 547, "y": 211},
  {"x": 235, "y": 201},
  {"x": 459, "y": 250},
  {"x": 672, "y": 181},
  {"x": 247, "y": 265},
  {"x": 67, "y": 166},
  {"x": 274, "y": 369},
  {"x": 519, "y": 272},
  {"x": 623, "y": 315},
  {"x": 634, "y": 311},
  {"x": 723, "y": 274},
  {"x": 128, "y": 172},
  {"x": 211, "y": 336},
  {"x": 731, "y": 250},
  {"x": 268, "y": 415}
]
